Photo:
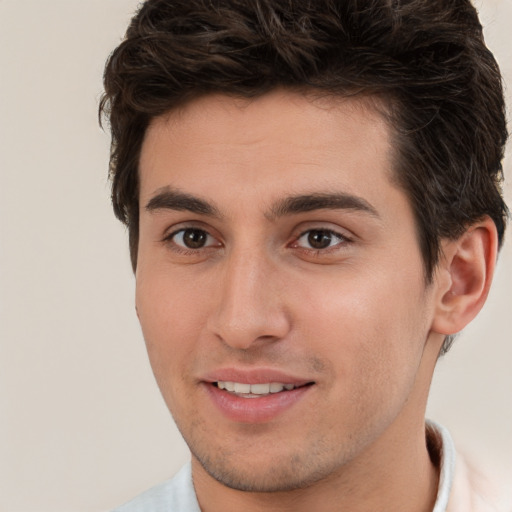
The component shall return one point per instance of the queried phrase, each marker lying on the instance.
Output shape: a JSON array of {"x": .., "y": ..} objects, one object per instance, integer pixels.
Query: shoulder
[
  {"x": 174, "y": 495},
  {"x": 465, "y": 486},
  {"x": 475, "y": 490}
]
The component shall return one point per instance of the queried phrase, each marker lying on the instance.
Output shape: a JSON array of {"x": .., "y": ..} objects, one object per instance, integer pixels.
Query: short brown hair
[{"x": 427, "y": 58}]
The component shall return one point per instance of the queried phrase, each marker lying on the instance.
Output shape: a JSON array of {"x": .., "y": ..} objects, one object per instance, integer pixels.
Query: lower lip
[{"x": 255, "y": 410}]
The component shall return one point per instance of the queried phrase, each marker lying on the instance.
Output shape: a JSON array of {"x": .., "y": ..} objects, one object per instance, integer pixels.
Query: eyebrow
[
  {"x": 322, "y": 201},
  {"x": 171, "y": 199}
]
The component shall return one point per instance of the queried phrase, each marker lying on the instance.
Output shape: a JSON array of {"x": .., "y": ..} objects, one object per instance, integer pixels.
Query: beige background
[{"x": 82, "y": 425}]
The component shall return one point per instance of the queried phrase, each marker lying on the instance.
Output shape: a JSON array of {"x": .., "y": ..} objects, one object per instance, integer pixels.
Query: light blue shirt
[{"x": 175, "y": 495}]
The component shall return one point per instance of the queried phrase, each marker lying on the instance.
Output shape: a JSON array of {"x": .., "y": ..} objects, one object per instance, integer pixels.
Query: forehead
[{"x": 268, "y": 139}]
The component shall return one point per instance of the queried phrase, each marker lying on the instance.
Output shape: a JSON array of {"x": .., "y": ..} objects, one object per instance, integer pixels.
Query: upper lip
[{"x": 254, "y": 376}]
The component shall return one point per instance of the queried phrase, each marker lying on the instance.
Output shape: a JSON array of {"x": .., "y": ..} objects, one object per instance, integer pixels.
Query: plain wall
[{"x": 82, "y": 424}]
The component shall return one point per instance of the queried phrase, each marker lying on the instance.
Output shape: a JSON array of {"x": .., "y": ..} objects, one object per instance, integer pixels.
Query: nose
[{"x": 250, "y": 308}]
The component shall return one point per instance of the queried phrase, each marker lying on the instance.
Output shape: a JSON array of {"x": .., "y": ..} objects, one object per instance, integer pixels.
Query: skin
[{"x": 356, "y": 318}]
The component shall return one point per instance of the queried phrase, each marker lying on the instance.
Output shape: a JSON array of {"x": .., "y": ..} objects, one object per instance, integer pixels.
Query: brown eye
[
  {"x": 192, "y": 238},
  {"x": 319, "y": 239}
]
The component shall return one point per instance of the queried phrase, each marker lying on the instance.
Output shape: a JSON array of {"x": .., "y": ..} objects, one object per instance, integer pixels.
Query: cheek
[
  {"x": 170, "y": 315},
  {"x": 371, "y": 342},
  {"x": 169, "y": 322},
  {"x": 373, "y": 327}
]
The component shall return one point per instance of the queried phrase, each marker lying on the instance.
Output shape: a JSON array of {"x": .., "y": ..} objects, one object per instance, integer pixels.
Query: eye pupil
[
  {"x": 194, "y": 238},
  {"x": 319, "y": 239}
]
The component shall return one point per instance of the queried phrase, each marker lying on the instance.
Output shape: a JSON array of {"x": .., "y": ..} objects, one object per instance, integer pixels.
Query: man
[{"x": 312, "y": 191}]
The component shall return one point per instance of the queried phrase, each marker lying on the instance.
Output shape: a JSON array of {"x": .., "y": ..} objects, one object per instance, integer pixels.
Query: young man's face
[{"x": 275, "y": 251}]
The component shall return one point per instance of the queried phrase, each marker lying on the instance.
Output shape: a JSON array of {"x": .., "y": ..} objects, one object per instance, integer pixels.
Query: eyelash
[
  {"x": 341, "y": 241},
  {"x": 182, "y": 249}
]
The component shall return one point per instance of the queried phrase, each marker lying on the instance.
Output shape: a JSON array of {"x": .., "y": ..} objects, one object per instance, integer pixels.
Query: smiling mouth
[{"x": 257, "y": 390}]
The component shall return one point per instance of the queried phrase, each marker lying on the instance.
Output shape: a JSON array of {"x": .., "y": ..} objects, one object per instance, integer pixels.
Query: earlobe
[{"x": 465, "y": 276}]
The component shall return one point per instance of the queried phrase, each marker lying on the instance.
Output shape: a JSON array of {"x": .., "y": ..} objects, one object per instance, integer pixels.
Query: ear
[{"x": 464, "y": 276}]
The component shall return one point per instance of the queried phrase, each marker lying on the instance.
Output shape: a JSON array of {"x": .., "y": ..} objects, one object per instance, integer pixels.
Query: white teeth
[
  {"x": 260, "y": 389},
  {"x": 242, "y": 388},
  {"x": 254, "y": 389},
  {"x": 275, "y": 387}
]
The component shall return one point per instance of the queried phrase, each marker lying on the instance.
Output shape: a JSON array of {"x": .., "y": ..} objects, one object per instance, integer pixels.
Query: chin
[
  {"x": 272, "y": 478},
  {"x": 271, "y": 472}
]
